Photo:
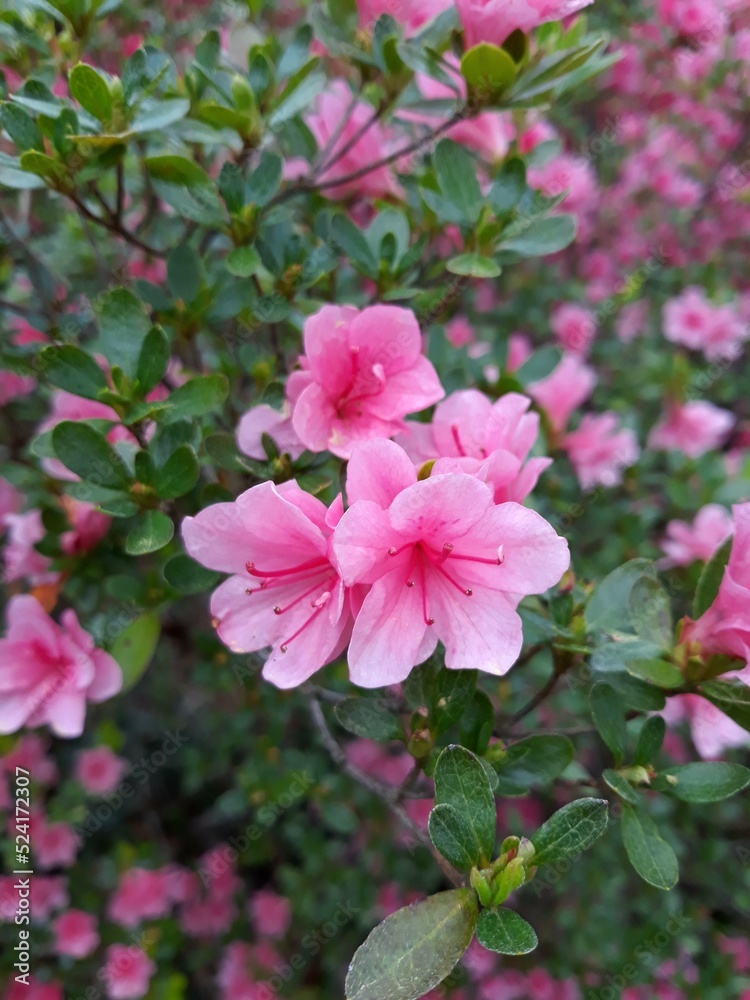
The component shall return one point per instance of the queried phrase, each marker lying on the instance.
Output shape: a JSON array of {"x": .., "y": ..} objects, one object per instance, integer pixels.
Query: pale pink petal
[{"x": 378, "y": 471}]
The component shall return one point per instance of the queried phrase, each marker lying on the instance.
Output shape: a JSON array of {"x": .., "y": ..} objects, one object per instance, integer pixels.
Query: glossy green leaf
[
  {"x": 178, "y": 475},
  {"x": 649, "y": 854},
  {"x": 153, "y": 359},
  {"x": 73, "y": 370},
  {"x": 90, "y": 89},
  {"x": 197, "y": 397},
  {"x": 85, "y": 451},
  {"x": 461, "y": 781},
  {"x": 707, "y": 782},
  {"x": 452, "y": 836},
  {"x": 609, "y": 718},
  {"x": 123, "y": 326},
  {"x": 134, "y": 648},
  {"x": 152, "y": 532},
  {"x": 488, "y": 69},
  {"x": 184, "y": 273},
  {"x": 370, "y": 718},
  {"x": 710, "y": 580},
  {"x": 650, "y": 739},
  {"x": 457, "y": 177},
  {"x": 533, "y": 761},
  {"x": 570, "y": 830},
  {"x": 544, "y": 236},
  {"x": 474, "y": 265}
]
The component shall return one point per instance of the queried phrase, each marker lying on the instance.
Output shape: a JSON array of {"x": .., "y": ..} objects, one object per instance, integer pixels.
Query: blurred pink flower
[
  {"x": 692, "y": 428},
  {"x": 600, "y": 450},
  {"x": 459, "y": 331},
  {"x": 88, "y": 526},
  {"x": 574, "y": 326},
  {"x": 296, "y": 591},
  {"x": 99, "y": 770},
  {"x": 21, "y": 559},
  {"x": 724, "y": 628},
  {"x": 55, "y": 845},
  {"x": 270, "y": 913},
  {"x": 263, "y": 419},
  {"x": 48, "y": 671},
  {"x": 401, "y": 536},
  {"x": 562, "y": 392},
  {"x": 712, "y": 732},
  {"x": 142, "y": 894},
  {"x": 363, "y": 372},
  {"x": 127, "y": 972},
  {"x": 493, "y": 20},
  {"x": 76, "y": 934},
  {"x": 684, "y": 543}
]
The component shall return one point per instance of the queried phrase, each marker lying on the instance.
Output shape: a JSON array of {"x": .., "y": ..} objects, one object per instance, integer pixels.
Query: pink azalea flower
[
  {"x": 687, "y": 318},
  {"x": 48, "y": 893},
  {"x": 55, "y": 844},
  {"x": 445, "y": 563},
  {"x": 127, "y": 972},
  {"x": 563, "y": 390},
  {"x": 411, "y": 14},
  {"x": 99, "y": 770},
  {"x": 30, "y": 752},
  {"x": 10, "y": 500},
  {"x": 599, "y": 450},
  {"x": 141, "y": 895},
  {"x": 724, "y": 628},
  {"x": 692, "y": 428},
  {"x": 519, "y": 351},
  {"x": 262, "y": 420},
  {"x": 362, "y": 373},
  {"x": 469, "y": 433},
  {"x": 493, "y": 20},
  {"x": 237, "y": 979},
  {"x": 460, "y": 332},
  {"x": 270, "y": 913},
  {"x": 88, "y": 526},
  {"x": 34, "y": 990},
  {"x": 684, "y": 543},
  {"x": 22, "y": 561},
  {"x": 574, "y": 326},
  {"x": 712, "y": 732},
  {"x": 76, "y": 934},
  {"x": 48, "y": 671},
  {"x": 284, "y": 591},
  {"x": 334, "y": 106},
  {"x": 632, "y": 320}
]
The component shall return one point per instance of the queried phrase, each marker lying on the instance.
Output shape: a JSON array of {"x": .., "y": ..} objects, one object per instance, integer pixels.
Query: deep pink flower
[
  {"x": 724, "y": 629},
  {"x": 263, "y": 419},
  {"x": 600, "y": 450},
  {"x": 687, "y": 318},
  {"x": 88, "y": 526},
  {"x": 563, "y": 390},
  {"x": 270, "y": 913},
  {"x": 99, "y": 770},
  {"x": 30, "y": 752},
  {"x": 363, "y": 372},
  {"x": 48, "y": 671},
  {"x": 684, "y": 543},
  {"x": 574, "y": 326},
  {"x": 493, "y": 20},
  {"x": 411, "y": 14},
  {"x": 34, "y": 990},
  {"x": 76, "y": 933},
  {"x": 445, "y": 563},
  {"x": 55, "y": 844},
  {"x": 335, "y": 105},
  {"x": 142, "y": 894},
  {"x": 22, "y": 561},
  {"x": 484, "y": 439},
  {"x": 284, "y": 591},
  {"x": 127, "y": 972},
  {"x": 692, "y": 428}
]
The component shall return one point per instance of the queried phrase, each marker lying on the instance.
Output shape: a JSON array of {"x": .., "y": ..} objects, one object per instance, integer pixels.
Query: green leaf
[
  {"x": 414, "y": 949},
  {"x": 302, "y": 88},
  {"x": 456, "y": 174},
  {"x": 184, "y": 273},
  {"x": 450, "y": 694},
  {"x": 123, "y": 326},
  {"x": 195, "y": 398},
  {"x": 509, "y": 186},
  {"x": 710, "y": 579},
  {"x": 505, "y": 932},
  {"x": 232, "y": 187},
  {"x": 158, "y": 114},
  {"x": 242, "y": 262},
  {"x": 153, "y": 531},
  {"x": 21, "y": 128},
  {"x": 541, "y": 364},
  {"x": 461, "y": 781},
  {"x": 85, "y": 451},
  {"x": 474, "y": 265},
  {"x": 621, "y": 786},
  {"x": 188, "y": 576},
  {"x": 709, "y": 782},
  {"x": 652, "y": 857},
  {"x": 608, "y": 609},
  {"x": 651, "y": 612},
  {"x": 369, "y": 717},
  {"x": 609, "y": 718},
  {"x": 452, "y": 836},
  {"x": 264, "y": 182},
  {"x": 543, "y": 237},
  {"x": 488, "y": 69},
  {"x": 350, "y": 239},
  {"x": 53, "y": 172},
  {"x": 533, "y": 761},
  {"x": 90, "y": 89},
  {"x": 655, "y": 671},
  {"x": 152, "y": 359},
  {"x": 134, "y": 647},
  {"x": 476, "y": 723},
  {"x": 731, "y": 697},
  {"x": 73, "y": 370},
  {"x": 186, "y": 187},
  {"x": 650, "y": 739},
  {"x": 570, "y": 830},
  {"x": 178, "y": 475}
]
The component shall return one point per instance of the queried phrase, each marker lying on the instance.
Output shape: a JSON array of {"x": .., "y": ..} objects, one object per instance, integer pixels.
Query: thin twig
[{"x": 114, "y": 227}]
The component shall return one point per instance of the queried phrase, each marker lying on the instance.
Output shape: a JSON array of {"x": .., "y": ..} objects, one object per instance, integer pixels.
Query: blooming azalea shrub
[{"x": 374, "y": 500}]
